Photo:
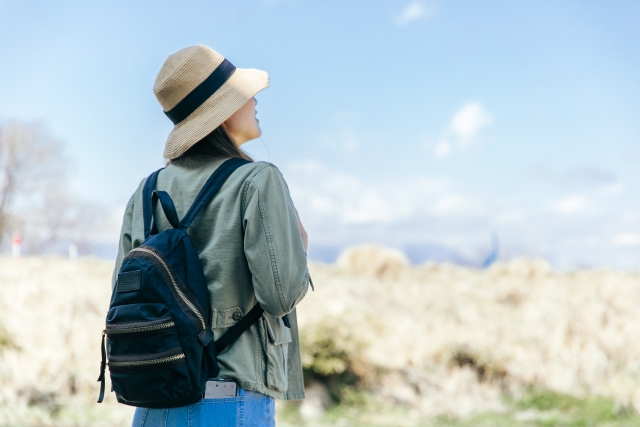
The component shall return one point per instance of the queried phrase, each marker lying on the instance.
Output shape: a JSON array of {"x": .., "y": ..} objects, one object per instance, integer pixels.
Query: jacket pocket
[
  {"x": 277, "y": 337},
  {"x": 225, "y": 318}
]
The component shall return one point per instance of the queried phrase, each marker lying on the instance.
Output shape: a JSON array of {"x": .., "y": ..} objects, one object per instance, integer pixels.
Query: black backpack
[{"x": 159, "y": 342}]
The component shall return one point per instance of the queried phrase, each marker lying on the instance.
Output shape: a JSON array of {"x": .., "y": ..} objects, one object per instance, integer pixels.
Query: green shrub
[
  {"x": 331, "y": 357},
  {"x": 485, "y": 367},
  {"x": 5, "y": 340}
]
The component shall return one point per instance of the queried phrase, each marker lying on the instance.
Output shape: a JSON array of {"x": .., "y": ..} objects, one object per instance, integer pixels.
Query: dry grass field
[{"x": 384, "y": 343}]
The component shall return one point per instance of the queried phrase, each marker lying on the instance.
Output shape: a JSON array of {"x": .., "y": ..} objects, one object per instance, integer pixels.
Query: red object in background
[{"x": 16, "y": 242}]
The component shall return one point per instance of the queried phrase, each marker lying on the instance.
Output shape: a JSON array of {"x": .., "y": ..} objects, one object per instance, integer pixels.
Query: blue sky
[{"x": 424, "y": 125}]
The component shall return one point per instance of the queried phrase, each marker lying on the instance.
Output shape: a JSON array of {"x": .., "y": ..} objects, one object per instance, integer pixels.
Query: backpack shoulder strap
[
  {"x": 234, "y": 332},
  {"x": 167, "y": 206},
  {"x": 210, "y": 188},
  {"x": 147, "y": 209}
]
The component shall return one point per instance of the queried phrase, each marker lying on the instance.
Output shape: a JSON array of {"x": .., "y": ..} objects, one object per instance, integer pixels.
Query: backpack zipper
[
  {"x": 140, "y": 329},
  {"x": 175, "y": 285},
  {"x": 147, "y": 362}
]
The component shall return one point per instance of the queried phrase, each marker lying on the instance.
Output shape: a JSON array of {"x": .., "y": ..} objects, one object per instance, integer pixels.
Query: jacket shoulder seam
[{"x": 257, "y": 169}]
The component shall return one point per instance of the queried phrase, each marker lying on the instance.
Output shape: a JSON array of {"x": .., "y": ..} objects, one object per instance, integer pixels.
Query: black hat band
[{"x": 201, "y": 93}]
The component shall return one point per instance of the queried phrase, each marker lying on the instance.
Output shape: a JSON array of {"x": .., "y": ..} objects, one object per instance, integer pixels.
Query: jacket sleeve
[
  {"x": 125, "y": 245},
  {"x": 273, "y": 244}
]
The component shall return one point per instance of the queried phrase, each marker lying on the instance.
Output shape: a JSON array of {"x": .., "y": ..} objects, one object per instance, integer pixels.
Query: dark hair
[{"x": 217, "y": 144}]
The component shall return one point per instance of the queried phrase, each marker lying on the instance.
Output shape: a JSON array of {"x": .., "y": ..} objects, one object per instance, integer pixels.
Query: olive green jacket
[{"x": 251, "y": 251}]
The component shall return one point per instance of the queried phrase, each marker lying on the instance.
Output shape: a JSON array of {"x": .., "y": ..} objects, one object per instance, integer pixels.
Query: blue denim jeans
[{"x": 248, "y": 409}]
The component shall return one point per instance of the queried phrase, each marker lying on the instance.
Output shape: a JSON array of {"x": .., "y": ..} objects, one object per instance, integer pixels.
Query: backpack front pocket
[
  {"x": 153, "y": 377},
  {"x": 145, "y": 356},
  {"x": 140, "y": 329},
  {"x": 142, "y": 337},
  {"x": 146, "y": 362}
]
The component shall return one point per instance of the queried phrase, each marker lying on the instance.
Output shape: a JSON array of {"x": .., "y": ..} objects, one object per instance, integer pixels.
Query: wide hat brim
[{"x": 243, "y": 84}]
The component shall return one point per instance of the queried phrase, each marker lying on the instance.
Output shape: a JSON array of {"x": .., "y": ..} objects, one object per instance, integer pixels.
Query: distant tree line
[{"x": 35, "y": 195}]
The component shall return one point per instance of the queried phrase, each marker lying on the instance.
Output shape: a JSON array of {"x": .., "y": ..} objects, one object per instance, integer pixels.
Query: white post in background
[
  {"x": 16, "y": 243},
  {"x": 73, "y": 252}
]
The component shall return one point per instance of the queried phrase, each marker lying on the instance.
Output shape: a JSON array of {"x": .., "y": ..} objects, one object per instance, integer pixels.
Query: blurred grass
[
  {"x": 535, "y": 408},
  {"x": 69, "y": 415},
  {"x": 455, "y": 347}
]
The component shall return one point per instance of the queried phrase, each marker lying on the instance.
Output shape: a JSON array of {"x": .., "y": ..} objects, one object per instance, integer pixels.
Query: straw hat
[{"x": 198, "y": 90}]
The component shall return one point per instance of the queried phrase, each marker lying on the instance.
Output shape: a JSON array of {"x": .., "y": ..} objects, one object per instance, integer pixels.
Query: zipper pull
[{"x": 103, "y": 365}]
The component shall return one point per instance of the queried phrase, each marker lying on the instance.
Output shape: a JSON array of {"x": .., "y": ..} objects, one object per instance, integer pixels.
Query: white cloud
[
  {"x": 573, "y": 204},
  {"x": 414, "y": 11},
  {"x": 468, "y": 121},
  {"x": 627, "y": 239},
  {"x": 344, "y": 140},
  {"x": 340, "y": 207},
  {"x": 443, "y": 149},
  {"x": 512, "y": 216},
  {"x": 330, "y": 197},
  {"x": 458, "y": 205},
  {"x": 463, "y": 129},
  {"x": 614, "y": 189}
]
